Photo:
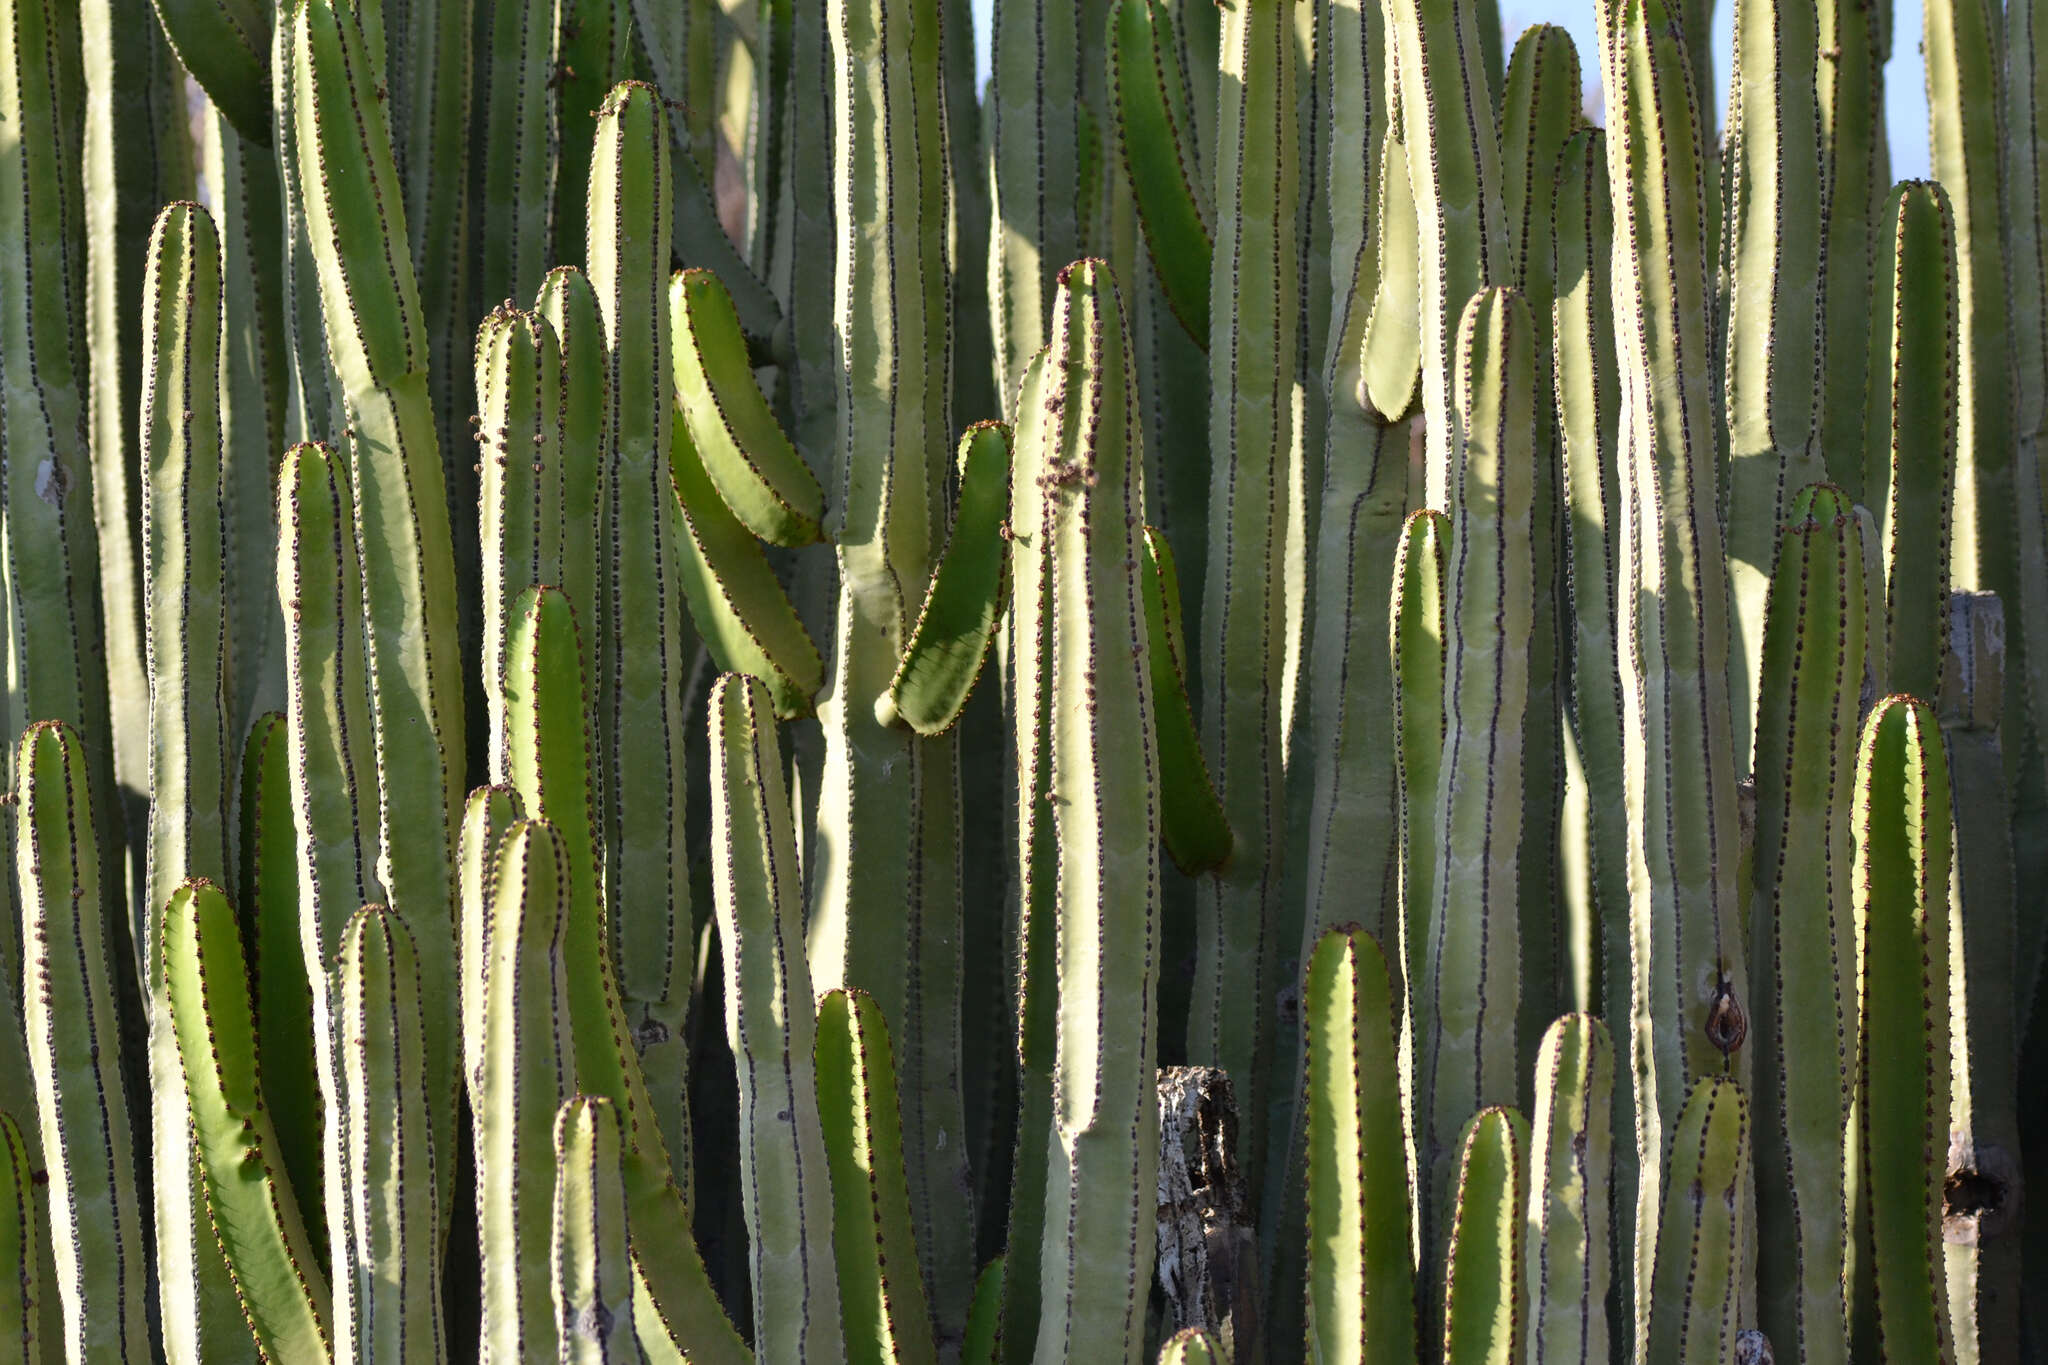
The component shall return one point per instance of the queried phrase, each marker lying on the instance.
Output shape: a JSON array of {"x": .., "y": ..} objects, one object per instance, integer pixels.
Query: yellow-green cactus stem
[
  {"x": 881, "y": 1298},
  {"x": 267, "y": 881},
  {"x": 756, "y": 470},
  {"x": 520, "y": 389},
  {"x": 1103, "y": 787},
  {"x": 640, "y": 627},
  {"x": 1988, "y": 969},
  {"x": 1670, "y": 594},
  {"x": 956, "y": 626},
  {"x": 184, "y": 571},
  {"x": 1191, "y": 818},
  {"x": 1538, "y": 114},
  {"x": 1254, "y": 288},
  {"x": 883, "y": 866},
  {"x": 1470, "y": 987},
  {"x": 50, "y": 566},
  {"x": 526, "y": 1071},
  {"x": 1454, "y": 170},
  {"x": 1418, "y": 639},
  {"x": 1692, "y": 1302},
  {"x": 1035, "y": 153},
  {"x": 489, "y": 812},
  {"x": 1849, "y": 92},
  {"x": 96, "y": 1227},
  {"x": 570, "y": 306},
  {"x": 1153, "y": 118},
  {"x": 769, "y": 1023},
  {"x": 21, "y": 1289},
  {"x": 226, "y": 47},
  {"x": 1567, "y": 1248},
  {"x": 521, "y": 73},
  {"x": 1361, "y": 1275},
  {"x": 591, "y": 1269},
  {"x": 1913, "y": 406},
  {"x": 1482, "y": 1275},
  {"x": 249, "y": 213},
  {"x": 1772, "y": 339},
  {"x": 1594, "y": 837},
  {"x": 1962, "y": 45},
  {"x": 1803, "y": 943},
  {"x": 551, "y": 770},
  {"x": 331, "y": 772},
  {"x": 283, "y": 1293},
  {"x": 1192, "y": 1347},
  {"x": 380, "y": 1023},
  {"x": 1904, "y": 861},
  {"x": 742, "y": 614},
  {"x": 382, "y": 347}
]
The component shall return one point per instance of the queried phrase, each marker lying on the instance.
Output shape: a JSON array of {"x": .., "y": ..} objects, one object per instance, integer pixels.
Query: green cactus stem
[
  {"x": 1566, "y": 1250},
  {"x": 1361, "y": 1278},
  {"x": 283, "y": 1294},
  {"x": 1692, "y": 1303},
  {"x": 20, "y": 1238},
  {"x": 591, "y": 1273},
  {"x": 787, "y": 1191},
  {"x": 526, "y": 1071},
  {"x": 1482, "y": 1276},
  {"x": 881, "y": 1300},
  {"x": 1904, "y": 861},
  {"x": 96, "y": 1227},
  {"x": 380, "y": 1018}
]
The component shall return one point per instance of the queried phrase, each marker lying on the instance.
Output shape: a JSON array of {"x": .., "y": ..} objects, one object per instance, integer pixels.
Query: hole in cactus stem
[{"x": 1979, "y": 1191}]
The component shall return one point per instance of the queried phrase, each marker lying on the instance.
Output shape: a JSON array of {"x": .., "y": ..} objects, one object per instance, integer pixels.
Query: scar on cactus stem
[{"x": 1727, "y": 1025}]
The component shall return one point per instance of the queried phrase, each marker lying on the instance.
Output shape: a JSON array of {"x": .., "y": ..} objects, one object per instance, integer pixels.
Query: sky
[{"x": 1905, "y": 92}]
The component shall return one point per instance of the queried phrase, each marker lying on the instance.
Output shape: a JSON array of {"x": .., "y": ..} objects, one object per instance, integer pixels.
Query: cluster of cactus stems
[{"x": 1511, "y": 652}]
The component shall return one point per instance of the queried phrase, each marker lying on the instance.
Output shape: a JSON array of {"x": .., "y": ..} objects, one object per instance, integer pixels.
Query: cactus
[
  {"x": 592, "y": 1276},
  {"x": 1360, "y": 543}
]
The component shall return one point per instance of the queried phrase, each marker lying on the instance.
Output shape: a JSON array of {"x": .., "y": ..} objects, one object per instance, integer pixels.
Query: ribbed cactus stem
[
  {"x": 1849, "y": 92},
  {"x": 1671, "y": 603},
  {"x": 1482, "y": 1322},
  {"x": 521, "y": 388},
  {"x": 1904, "y": 862},
  {"x": 518, "y": 132},
  {"x": 1034, "y": 139},
  {"x": 1361, "y": 1276},
  {"x": 1692, "y": 1303},
  {"x": 884, "y": 863},
  {"x": 547, "y": 722},
  {"x": 55, "y": 651},
  {"x": 267, "y": 881},
  {"x": 770, "y": 1026},
  {"x": 571, "y": 308},
  {"x": 184, "y": 570},
  {"x": 249, "y": 214},
  {"x": 1470, "y": 987},
  {"x": 393, "y": 1218},
  {"x": 1539, "y": 113},
  {"x": 526, "y": 1071},
  {"x": 283, "y": 1294},
  {"x": 881, "y": 1297},
  {"x": 641, "y": 627},
  {"x": 592, "y": 1275},
  {"x": 1805, "y": 1016},
  {"x": 96, "y": 1227},
  {"x": 1913, "y": 406},
  {"x": 488, "y": 813},
  {"x": 21, "y": 1290},
  {"x": 1567, "y": 1249},
  {"x": 1962, "y": 53},
  {"x": 1773, "y": 340},
  {"x": 1253, "y": 302},
  {"x": 381, "y": 352},
  {"x": 1104, "y": 792},
  {"x": 1454, "y": 167}
]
